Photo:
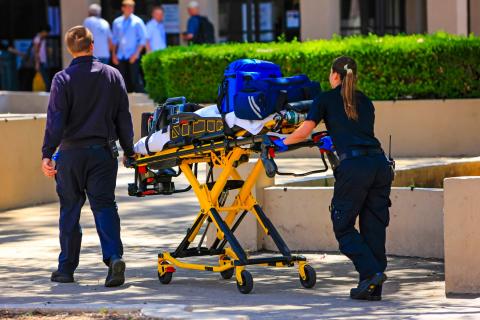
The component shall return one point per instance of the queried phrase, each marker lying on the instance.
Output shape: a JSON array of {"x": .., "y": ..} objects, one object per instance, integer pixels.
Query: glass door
[{"x": 268, "y": 20}]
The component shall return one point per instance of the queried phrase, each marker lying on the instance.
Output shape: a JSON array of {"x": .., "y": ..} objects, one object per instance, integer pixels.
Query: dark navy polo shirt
[
  {"x": 88, "y": 106},
  {"x": 346, "y": 134}
]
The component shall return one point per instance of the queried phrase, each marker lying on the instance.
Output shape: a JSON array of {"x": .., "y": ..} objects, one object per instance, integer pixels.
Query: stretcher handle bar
[
  {"x": 242, "y": 142},
  {"x": 305, "y": 173}
]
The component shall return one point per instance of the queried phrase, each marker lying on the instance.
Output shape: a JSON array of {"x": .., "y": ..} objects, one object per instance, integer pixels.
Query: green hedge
[{"x": 390, "y": 67}]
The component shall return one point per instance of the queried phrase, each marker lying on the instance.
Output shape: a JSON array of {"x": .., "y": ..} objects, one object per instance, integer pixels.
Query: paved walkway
[{"x": 29, "y": 248}]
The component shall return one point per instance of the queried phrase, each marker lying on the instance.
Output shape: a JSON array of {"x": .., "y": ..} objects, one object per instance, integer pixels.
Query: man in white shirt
[
  {"x": 128, "y": 37},
  {"x": 156, "y": 35},
  {"x": 100, "y": 30}
]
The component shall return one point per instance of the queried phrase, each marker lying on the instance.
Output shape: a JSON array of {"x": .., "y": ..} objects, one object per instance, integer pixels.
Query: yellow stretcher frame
[{"x": 232, "y": 260}]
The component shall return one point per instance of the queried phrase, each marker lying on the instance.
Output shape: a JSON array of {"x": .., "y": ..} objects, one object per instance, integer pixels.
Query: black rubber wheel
[
  {"x": 311, "y": 279},
  {"x": 167, "y": 277},
  {"x": 227, "y": 274},
  {"x": 247, "y": 280}
]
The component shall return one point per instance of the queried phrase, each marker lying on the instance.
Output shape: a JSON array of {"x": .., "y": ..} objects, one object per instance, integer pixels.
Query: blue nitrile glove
[
  {"x": 281, "y": 146},
  {"x": 327, "y": 144}
]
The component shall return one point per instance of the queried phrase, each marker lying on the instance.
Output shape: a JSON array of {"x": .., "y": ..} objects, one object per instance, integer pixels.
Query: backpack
[
  {"x": 262, "y": 97},
  {"x": 237, "y": 74},
  {"x": 255, "y": 89},
  {"x": 206, "y": 32}
]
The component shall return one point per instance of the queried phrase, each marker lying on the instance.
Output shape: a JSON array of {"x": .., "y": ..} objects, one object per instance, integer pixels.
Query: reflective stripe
[{"x": 254, "y": 106}]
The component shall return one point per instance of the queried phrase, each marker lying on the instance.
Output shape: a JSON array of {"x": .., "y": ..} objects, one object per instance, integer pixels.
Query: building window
[
  {"x": 372, "y": 16},
  {"x": 268, "y": 20}
]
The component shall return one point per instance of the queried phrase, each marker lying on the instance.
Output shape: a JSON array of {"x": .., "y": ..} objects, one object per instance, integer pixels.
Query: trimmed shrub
[{"x": 391, "y": 67}]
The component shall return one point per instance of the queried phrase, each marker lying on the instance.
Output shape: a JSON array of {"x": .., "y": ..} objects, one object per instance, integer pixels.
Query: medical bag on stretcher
[{"x": 255, "y": 89}]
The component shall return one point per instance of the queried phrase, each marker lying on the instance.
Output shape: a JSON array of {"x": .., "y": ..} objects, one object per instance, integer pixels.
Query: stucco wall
[
  {"x": 23, "y": 102},
  {"x": 319, "y": 19},
  {"x": 462, "y": 238},
  {"x": 302, "y": 217},
  {"x": 21, "y": 180},
  {"x": 447, "y": 15}
]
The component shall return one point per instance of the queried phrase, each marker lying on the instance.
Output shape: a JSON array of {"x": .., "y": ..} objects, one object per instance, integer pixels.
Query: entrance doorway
[{"x": 269, "y": 20}]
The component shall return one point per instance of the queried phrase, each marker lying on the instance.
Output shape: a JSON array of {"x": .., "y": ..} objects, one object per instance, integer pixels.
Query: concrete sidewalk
[{"x": 29, "y": 249}]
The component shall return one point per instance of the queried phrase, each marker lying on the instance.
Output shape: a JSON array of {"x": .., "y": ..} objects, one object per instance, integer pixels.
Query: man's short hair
[
  {"x": 78, "y": 39},
  {"x": 128, "y": 3},
  {"x": 95, "y": 9},
  {"x": 157, "y": 7},
  {"x": 193, "y": 4}
]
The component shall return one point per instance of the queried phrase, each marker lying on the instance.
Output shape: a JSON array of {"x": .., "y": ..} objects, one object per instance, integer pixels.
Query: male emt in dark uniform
[
  {"x": 87, "y": 112},
  {"x": 362, "y": 180}
]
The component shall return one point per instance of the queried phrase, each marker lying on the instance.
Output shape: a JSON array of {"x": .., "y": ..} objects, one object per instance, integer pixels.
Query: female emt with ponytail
[{"x": 362, "y": 180}]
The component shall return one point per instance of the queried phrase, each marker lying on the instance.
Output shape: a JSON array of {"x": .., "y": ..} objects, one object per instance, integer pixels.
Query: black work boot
[
  {"x": 61, "y": 277},
  {"x": 116, "y": 273},
  {"x": 369, "y": 289}
]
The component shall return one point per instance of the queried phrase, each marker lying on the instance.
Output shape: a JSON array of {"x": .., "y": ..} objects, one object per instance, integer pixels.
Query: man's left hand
[
  {"x": 127, "y": 159},
  {"x": 48, "y": 168}
]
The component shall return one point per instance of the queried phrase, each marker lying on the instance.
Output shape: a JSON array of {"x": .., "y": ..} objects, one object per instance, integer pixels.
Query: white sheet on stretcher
[{"x": 158, "y": 140}]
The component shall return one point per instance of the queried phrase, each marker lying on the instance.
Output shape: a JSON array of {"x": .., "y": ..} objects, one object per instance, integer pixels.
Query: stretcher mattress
[{"x": 157, "y": 140}]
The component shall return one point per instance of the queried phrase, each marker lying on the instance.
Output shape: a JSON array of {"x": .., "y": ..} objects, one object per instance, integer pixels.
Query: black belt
[{"x": 360, "y": 152}]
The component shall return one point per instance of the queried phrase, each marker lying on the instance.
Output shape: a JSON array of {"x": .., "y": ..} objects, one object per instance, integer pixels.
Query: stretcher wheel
[
  {"x": 311, "y": 277},
  {"x": 247, "y": 280},
  {"x": 227, "y": 274},
  {"x": 166, "y": 278}
]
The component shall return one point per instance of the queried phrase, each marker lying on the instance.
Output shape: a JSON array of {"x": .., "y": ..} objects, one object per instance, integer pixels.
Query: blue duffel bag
[
  {"x": 237, "y": 74},
  {"x": 260, "y": 98}
]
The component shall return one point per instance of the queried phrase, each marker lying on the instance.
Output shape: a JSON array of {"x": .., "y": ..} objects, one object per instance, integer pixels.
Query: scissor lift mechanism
[{"x": 212, "y": 196}]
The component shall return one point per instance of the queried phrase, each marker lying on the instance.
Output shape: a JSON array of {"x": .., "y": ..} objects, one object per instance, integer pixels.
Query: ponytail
[
  {"x": 348, "y": 94},
  {"x": 346, "y": 67}
]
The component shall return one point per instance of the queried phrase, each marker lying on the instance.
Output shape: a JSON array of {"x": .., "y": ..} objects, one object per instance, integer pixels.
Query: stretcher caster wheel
[
  {"x": 311, "y": 277},
  {"x": 227, "y": 274},
  {"x": 166, "y": 278},
  {"x": 247, "y": 280}
]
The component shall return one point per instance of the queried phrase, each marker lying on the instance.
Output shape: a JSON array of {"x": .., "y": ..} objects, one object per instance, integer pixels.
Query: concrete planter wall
[
  {"x": 21, "y": 180},
  {"x": 302, "y": 217}
]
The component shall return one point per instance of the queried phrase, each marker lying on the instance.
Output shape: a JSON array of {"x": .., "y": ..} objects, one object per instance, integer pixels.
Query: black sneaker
[
  {"x": 116, "y": 273},
  {"x": 369, "y": 289},
  {"x": 58, "y": 276}
]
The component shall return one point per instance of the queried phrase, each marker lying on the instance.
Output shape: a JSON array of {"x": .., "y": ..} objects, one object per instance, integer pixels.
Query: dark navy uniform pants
[
  {"x": 87, "y": 172},
  {"x": 362, "y": 188}
]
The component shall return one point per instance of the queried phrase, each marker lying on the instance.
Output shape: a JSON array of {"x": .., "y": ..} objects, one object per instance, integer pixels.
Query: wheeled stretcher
[{"x": 154, "y": 174}]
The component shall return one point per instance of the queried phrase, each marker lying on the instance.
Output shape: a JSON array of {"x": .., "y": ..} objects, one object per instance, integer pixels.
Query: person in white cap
[
  {"x": 100, "y": 30},
  {"x": 199, "y": 28}
]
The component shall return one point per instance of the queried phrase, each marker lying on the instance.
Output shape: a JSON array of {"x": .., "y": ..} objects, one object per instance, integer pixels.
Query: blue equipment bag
[
  {"x": 263, "y": 97},
  {"x": 255, "y": 89},
  {"x": 235, "y": 76}
]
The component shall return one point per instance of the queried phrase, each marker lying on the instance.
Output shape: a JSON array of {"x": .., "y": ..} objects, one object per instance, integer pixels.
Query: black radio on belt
[{"x": 112, "y": 147}]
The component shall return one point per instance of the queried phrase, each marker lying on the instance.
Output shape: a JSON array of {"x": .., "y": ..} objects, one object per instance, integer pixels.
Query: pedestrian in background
[
  {"x": 199, "y": 29},
  {"x": 87, "y": 112},
  {"x": 100, "y": 30},
  {"x": 156, "y": 35},
  {"x": 129, "y": 37},
  {"x": 41, "y": 55}
]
